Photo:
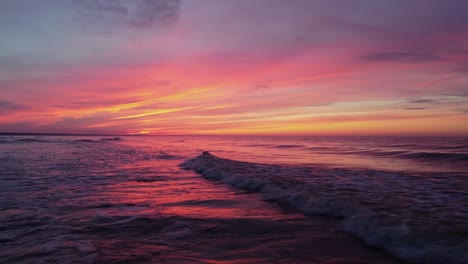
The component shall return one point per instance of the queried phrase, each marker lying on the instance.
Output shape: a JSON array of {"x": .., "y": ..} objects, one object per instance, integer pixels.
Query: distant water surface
[{"x": 285, "y": 199}]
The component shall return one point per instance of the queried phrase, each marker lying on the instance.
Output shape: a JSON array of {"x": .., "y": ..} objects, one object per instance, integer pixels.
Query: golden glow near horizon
[{"x": 304, "y": 74}]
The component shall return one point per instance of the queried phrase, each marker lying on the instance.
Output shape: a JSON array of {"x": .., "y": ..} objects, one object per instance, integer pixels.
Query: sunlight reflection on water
[{"x": 89, "y": 199}]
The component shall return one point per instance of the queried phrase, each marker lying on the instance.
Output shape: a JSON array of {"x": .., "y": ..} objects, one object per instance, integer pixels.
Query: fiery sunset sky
[{"x": 323, "y": 67}]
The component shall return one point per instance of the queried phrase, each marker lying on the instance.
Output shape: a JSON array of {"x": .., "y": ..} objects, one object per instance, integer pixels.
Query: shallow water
[{"x": 69, "y": 199}]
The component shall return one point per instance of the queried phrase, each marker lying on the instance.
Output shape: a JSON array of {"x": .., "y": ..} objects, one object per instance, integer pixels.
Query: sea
[{"x": 233, "y": 199}]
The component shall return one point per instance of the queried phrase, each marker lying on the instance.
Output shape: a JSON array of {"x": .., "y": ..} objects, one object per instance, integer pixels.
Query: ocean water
[{"x": 137, "y": 199}]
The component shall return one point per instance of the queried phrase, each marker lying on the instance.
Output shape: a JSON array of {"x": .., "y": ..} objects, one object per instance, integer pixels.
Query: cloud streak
[
  {"x": 402, "y": 57},
  {"x": 9, "y": 107}
]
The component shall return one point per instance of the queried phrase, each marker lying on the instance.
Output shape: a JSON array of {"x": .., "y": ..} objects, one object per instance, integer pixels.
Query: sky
[{"x": 260, "y": 67}]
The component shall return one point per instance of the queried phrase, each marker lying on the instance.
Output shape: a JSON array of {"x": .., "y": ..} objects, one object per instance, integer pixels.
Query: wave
[
  {"x": 112, "y": 139},
  {"x": 164, "y": 230},
  {"x": 451, "y": 147},
  {"x": 287, "y": 146},
  {"x": 30, "y": 140},
  {"x": 86, "y": 141},
  {"x": 455, "y": 157},
  {"x": 102, "y": 140},
  {"x": 421, "y": 156},
  {"x": 258, "y": 145},
  {"x": 151, "y": 179},
  {"x": 40, "y": 140},
  {"x": 414, "y": 146},
  {"x": 282, "y": 146},
  {"x": 160, "y": 155},
  {"x": 167, "y": 157},
  {"x": 418, "y": 220}
]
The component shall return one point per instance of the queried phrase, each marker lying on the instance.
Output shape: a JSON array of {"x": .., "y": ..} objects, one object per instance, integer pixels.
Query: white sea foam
[{"x": 419, "y": 219}]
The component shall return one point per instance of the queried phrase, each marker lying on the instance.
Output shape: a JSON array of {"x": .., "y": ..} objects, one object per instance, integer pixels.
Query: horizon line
[{"x": 228, "y": 135}]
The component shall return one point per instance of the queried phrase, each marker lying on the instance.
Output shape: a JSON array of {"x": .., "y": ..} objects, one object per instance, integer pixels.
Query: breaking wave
[{"x": 419, "y": 219}]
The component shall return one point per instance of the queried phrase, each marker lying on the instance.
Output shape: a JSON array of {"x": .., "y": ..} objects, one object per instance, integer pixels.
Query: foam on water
[{"x": 417, "y": 218}]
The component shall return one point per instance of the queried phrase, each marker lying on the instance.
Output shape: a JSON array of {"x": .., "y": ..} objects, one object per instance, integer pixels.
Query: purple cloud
[
  {"x": 423, "y": 101},
  {"x": 135, "y": 13},
  {"x": 402, "y": 57},
  {"x": 9, "y": 107}
]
